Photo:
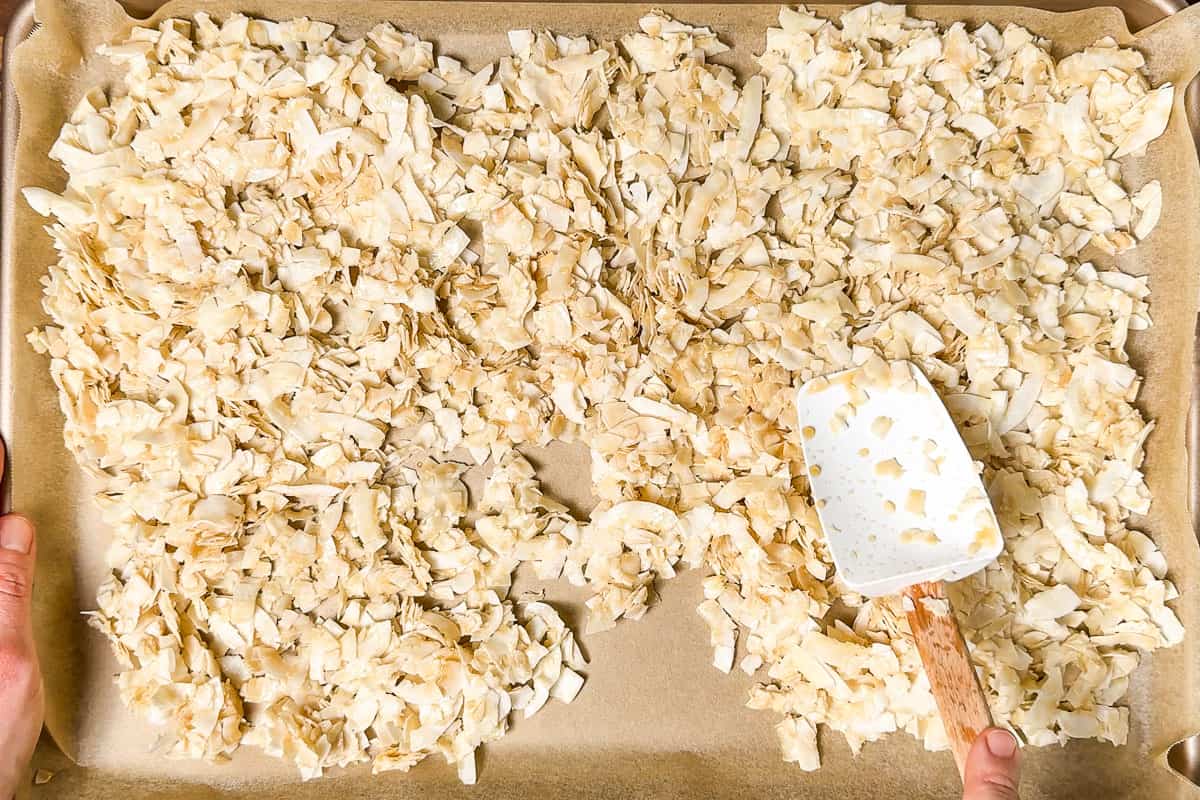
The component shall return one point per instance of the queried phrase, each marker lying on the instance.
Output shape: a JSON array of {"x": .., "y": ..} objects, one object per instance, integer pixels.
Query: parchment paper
[{"x": 655, "y": 719}]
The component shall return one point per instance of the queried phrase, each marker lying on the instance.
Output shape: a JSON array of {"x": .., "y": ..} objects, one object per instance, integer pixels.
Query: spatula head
[{"x": 898, "y": 495}]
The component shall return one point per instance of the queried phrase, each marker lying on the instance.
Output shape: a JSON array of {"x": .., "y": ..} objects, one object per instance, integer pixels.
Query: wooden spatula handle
[{"x": 955, "y": 686}]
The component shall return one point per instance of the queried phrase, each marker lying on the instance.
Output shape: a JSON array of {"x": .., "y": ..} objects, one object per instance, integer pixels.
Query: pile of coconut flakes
[{"x": 298, "y": 274}]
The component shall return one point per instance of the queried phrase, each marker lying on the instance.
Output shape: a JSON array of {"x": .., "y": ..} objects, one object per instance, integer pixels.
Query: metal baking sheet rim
[{"x": 24, "y": 23}]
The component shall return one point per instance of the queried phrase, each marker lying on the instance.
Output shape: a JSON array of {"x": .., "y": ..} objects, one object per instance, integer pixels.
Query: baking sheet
[{"x": 655, "y": 719}]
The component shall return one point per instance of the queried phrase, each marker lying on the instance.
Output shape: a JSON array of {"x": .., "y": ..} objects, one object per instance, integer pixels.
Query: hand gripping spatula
[{"x": 904, "y": 511}]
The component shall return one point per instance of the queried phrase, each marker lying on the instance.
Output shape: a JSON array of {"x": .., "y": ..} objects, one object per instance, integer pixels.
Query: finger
[
  {"x": 17, "y": 555},
  {"x": 993, "y": 767}
]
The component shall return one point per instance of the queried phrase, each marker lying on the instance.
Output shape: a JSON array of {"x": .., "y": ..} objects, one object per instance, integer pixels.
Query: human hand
[
  {"x": 993, "y": 767},
  {"x": 20, "y": 679}
]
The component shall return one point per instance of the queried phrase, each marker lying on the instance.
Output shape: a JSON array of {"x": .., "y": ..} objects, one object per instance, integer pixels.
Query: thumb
[
  {"x": 16, "y": 577},
  {"x": 993, "y": 767}
]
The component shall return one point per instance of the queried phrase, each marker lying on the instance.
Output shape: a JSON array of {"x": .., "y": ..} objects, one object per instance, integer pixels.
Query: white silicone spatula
[{"x": 904, "y": 511}]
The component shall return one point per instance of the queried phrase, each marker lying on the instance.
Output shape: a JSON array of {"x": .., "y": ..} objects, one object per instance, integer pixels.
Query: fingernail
[
  {"x": 1001, "y": 743},
  {"x": 16, "y": 534}
]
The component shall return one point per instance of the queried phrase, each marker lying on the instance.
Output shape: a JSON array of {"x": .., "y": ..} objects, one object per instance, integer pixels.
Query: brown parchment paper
[{"x": 654, "y": 719}]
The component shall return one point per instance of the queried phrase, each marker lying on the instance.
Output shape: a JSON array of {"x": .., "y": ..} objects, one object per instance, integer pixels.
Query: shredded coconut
[{"x": 297, "y": 274}]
